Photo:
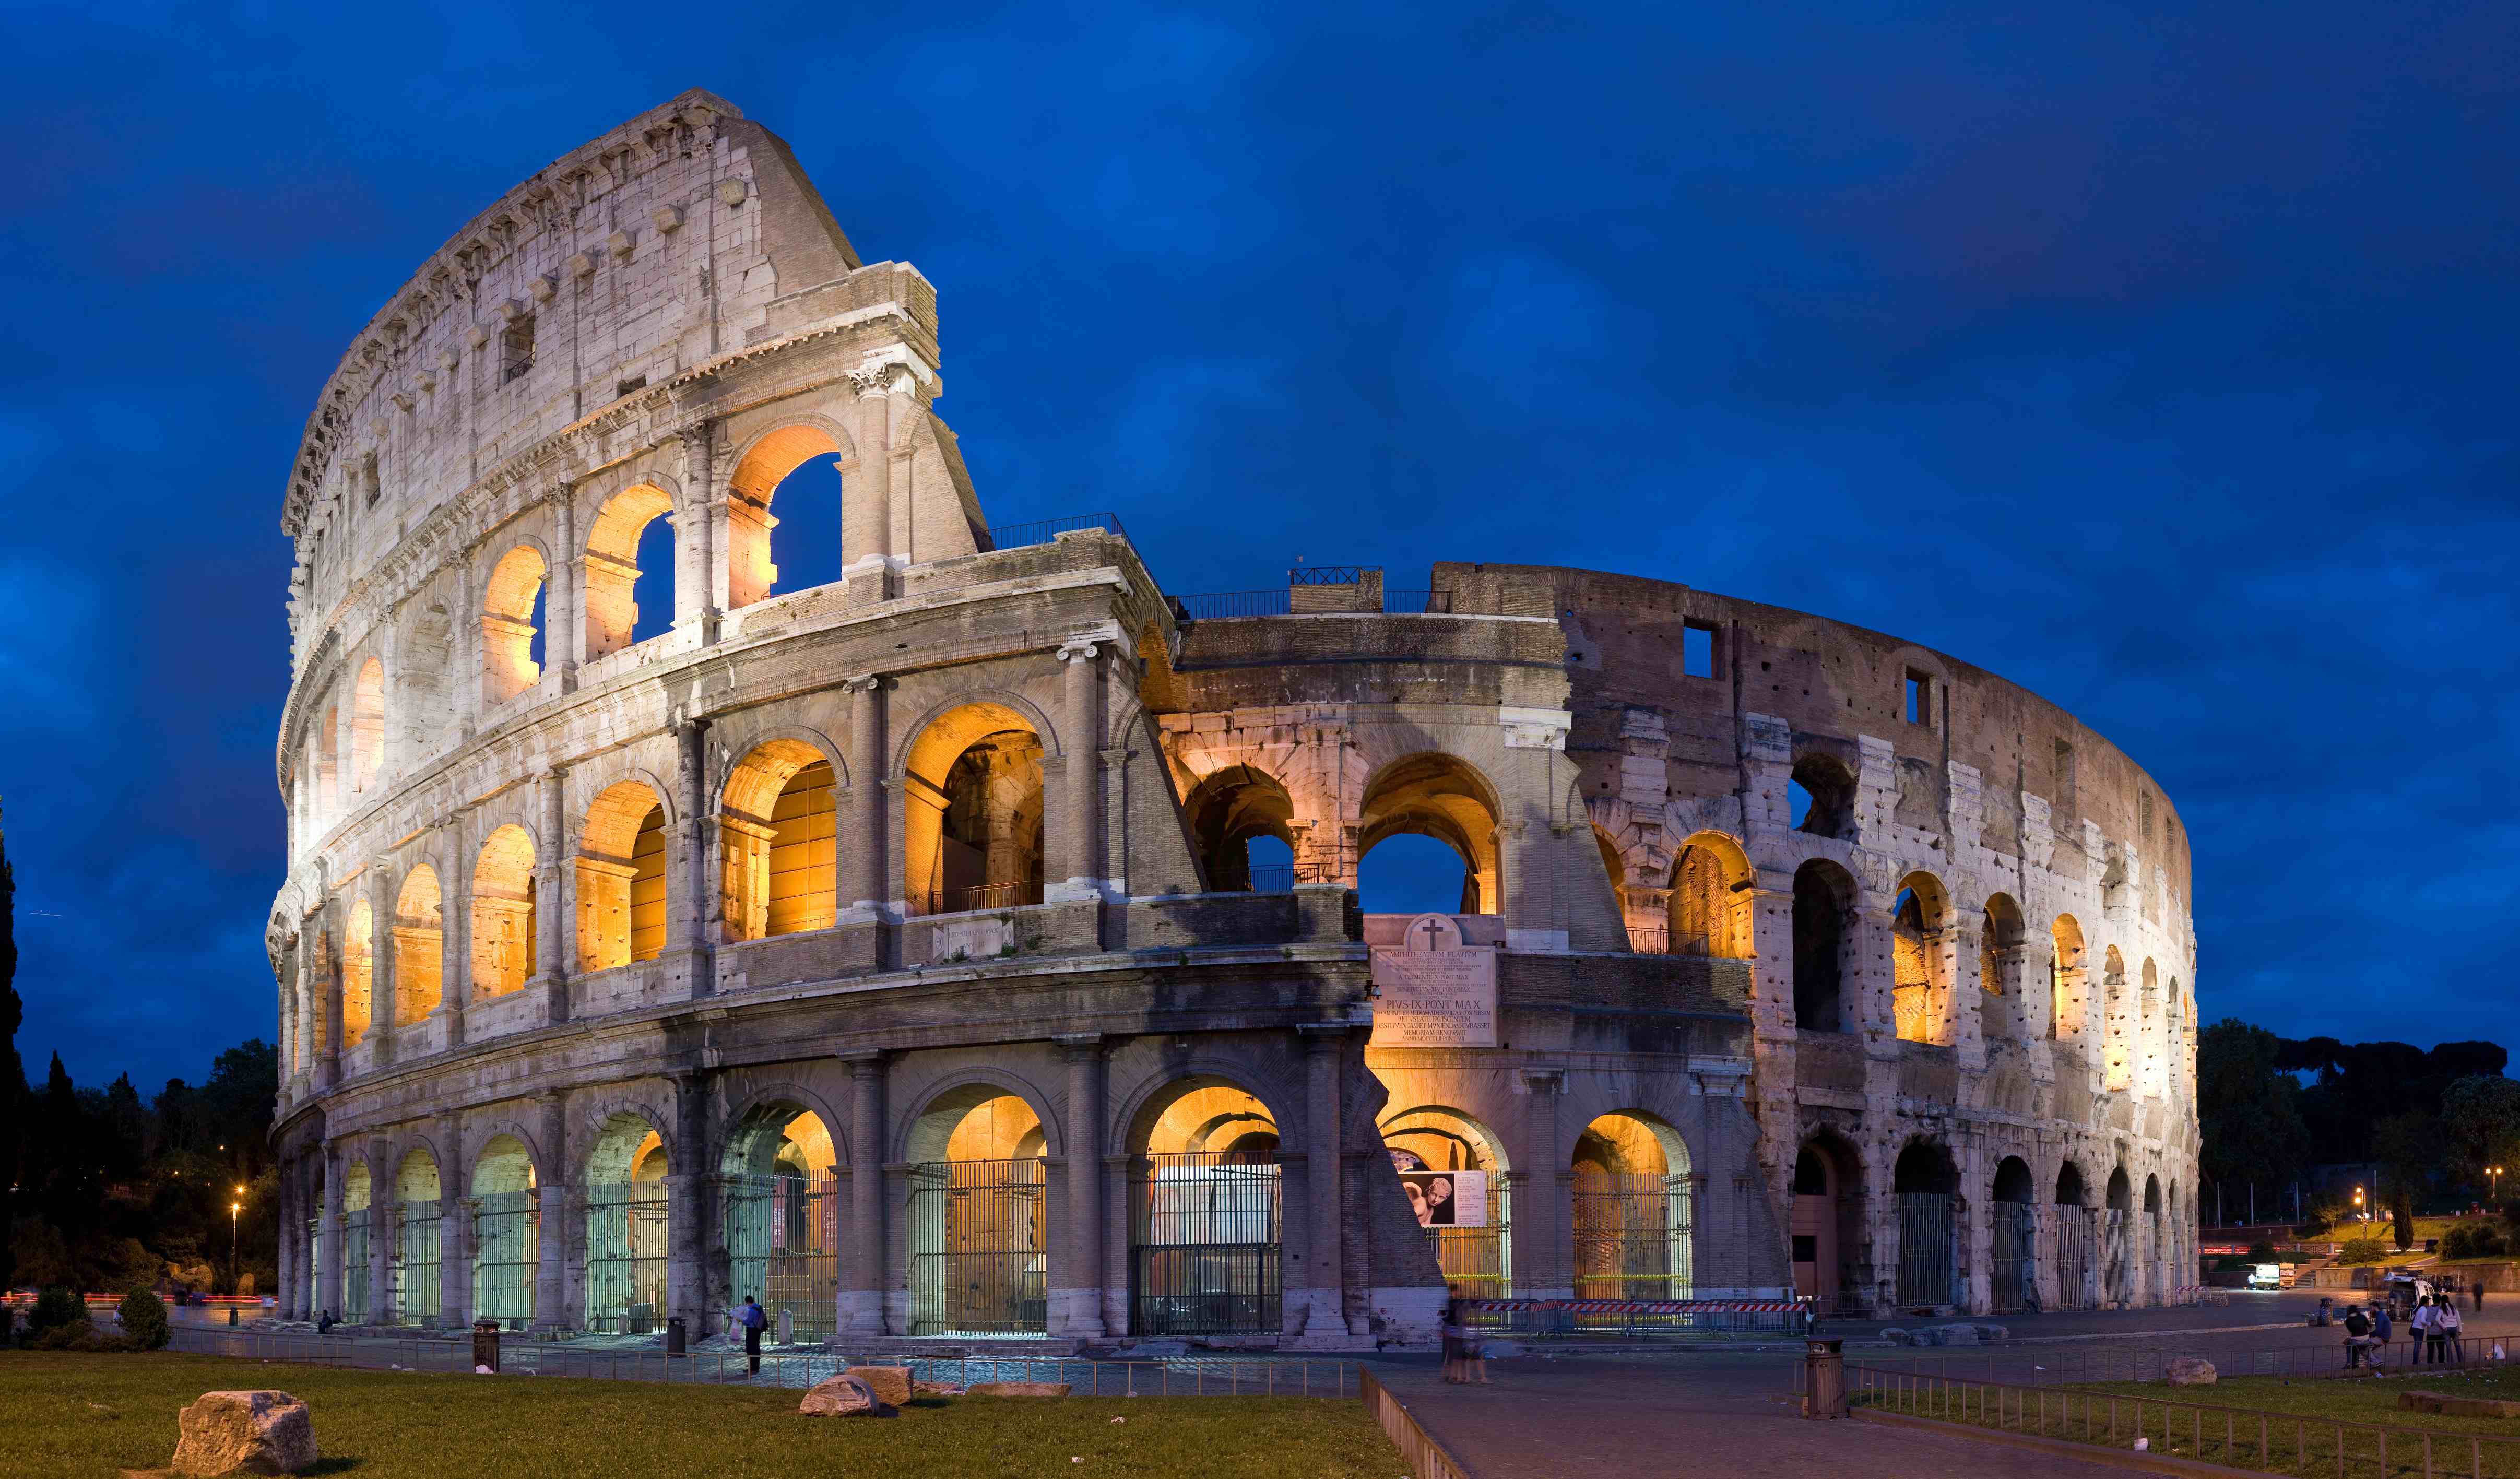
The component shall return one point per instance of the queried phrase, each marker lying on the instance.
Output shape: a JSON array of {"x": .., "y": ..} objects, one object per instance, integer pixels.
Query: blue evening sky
[{"x": 2158, "y": 359}]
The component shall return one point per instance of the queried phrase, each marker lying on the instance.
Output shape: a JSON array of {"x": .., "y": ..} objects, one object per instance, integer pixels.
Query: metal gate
[
  {"x": 1924, "y": 1247},
  {"x": 354, "y": 1267},
  {"x": 1207, "y": 1255},
  {"x": 1632, "y": 1235},
  {"x": 2117, "y": 1254},
  {"x": 506, "y": 1250},
  {"x": 782, "y": 1245},
  {"x": 1478, "y": 1262},
  {"x": 415, "y": 1272},
  {"x": 625, "y": 1256},
  {"x": 977, "y": 1263},
  {"x": 2011, "y": 1284},
  {"x": 2073, "y": 1257}
]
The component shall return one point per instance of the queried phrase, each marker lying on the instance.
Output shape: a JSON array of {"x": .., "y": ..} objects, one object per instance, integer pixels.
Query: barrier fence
[
  {"x": 1426, "y": 1457},
  {"x": 2237, "y": 1437},
  {"x": 1189, "y": 1376},
  {"x": 2136, "y": 1361},
  {"x": 1567, "y": 1319}
]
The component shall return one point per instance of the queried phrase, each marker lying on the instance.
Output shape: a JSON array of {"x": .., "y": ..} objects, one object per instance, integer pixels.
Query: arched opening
[
  {"x": 2013, "y": 1274},
  {"x": 358, "y": 975},
  {"x": 422, "y": 663},
  {"x": 1919, "y": 919},
  {"x": 420, "y": 946},
  {"x": 359, "y": 1226},
  {"x": 1471, "y": 1220},
  {"x": 1828, "y": 1228},
  {"x": 367, "y": 723},
  {"x": 415, "y": 1270},
  {"x": 2004, "y": 1012},
  {"x": 1205, "y": 1214},
  {"x": 777, "y": 829},
  {"x": 1633, "y": 1238},
  {"x": 2073, "y": 1240},
  {"x": 627, "y": 1222},
  {"x": 1229, "y": 811},
  {"x": 2156, "y": 1237},
  {"x": 503, "y": 913},
  {"x": 620, "y": 556},
  {"x": 782, "y": 1217},
  {"x": 1438, "y": 796},
  {"x": 1710, "y": 899},
  {"x": 801, "y": 466},
  {"x": 2117, "y": 1056},
  {"x": 973, "y": 838},
  {"x": 511, "y": 621},
  {"x": 979, "y": 1226},
  {"x": 621, "y": 879},
  {"x": 1923, "y": 1183},
  {"x": 1823, "y": 898},
  {"x": 2068, "y": 980},
  {"x": 506, "y": 1232},
  {"x": 2117, "y": 1236},
  {"x": 1820, "y": 797}
]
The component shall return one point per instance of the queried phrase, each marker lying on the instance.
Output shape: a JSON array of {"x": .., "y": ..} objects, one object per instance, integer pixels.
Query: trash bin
[
  {"x": 485, "y": 1344},
  {"x": 1825, "y": 1378},
  {"x": 674, "y": 1335}
]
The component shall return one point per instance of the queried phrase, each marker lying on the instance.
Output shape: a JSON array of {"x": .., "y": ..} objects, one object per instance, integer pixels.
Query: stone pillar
[
  {"x": 1543, "y": 1267},
  {"x": 455, "y": 912},
  {"x": 1076, "y": 1309},
  {"x": 328, "y": 951},
  {"x": 1973, "y": 1209},
  {"x": 863, "y": 886},
  {"x": 454, "y": 1231},
  {"x": 1080, "y": 782},
  {"x": 687, "y": 1221},
  {"x": 287, "y": 1239},
  {"x": 564, "y": 596},
  {"x": 554, "y": 940},
  {"x": 699, "y": 575},
  {"x": 381, "y": 888},
  {"x": 1324, "y": 1046},
  {"x": 862, "y": 1270},
  {"x": 327, "y": 1271},
  {"x": 866, "y": 513},
  {"x": 551, "y": 1310},
  {"x": 1865, "y": 1001},
  {"x": 691, "y": 901}
]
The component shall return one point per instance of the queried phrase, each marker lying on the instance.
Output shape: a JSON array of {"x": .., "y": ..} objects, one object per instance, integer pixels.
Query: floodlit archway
[
  {"x": 512, "y": 618},
  {"x": 1827, "y": 1228},
  {"x": 2014, "y": 1276},
  {"x": 1820, "y": 796},
  {"x": 780, "y": 1209},
  {"x": 1710, "y": 899},
  {"x": 2117, "y": 1050},
  {"x": 2155, "y": 1235},
  {"x": 416, "y": 1251},
  {"x": 420, "y": 946},
  {"x": 2117, "y": 1239},
  {"x": 972, "y": 797},
  {"x": 1472, "y": 1229},
  {"x": 1923, "y": 1182},
  {"x": 2006, "y": 1009},
  {"x": 506, "y": 1232},
  {"x": 1229, "y": 810},
  {"x": 753, "y": 571},
  {"x": 1633, "y": 1235},
  {"x": 358, "y": 1229},
  {"x": 358, "y": 975},
  {"x": 503, "y": 913},
  {"x": 979, "y": 1225},
  {"x": 2068, "y": 980},
  {"x": 621, "y": 879},
  {"x": 627, "y": 1223},
  {"x": 1919, "y": 918},
  {"x": 777, "y": 828},
  {"x": 614, "y": 574},
  {"x": 1824, "y": 947},
  {"x": 1206, "y": 1204},
  {"x": 1439, "y": 796},
  {"x": 2073, "y": 1240}
]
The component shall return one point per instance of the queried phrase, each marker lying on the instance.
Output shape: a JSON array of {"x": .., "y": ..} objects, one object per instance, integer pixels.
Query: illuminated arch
[
  {"x": 1445, "y": 797},
  {"x": 621, "y": 877},
  {"x": 507, "y": 664},
  {"x": 503, "y": 913},
  {"x": 762, "y": 465},
  {"x": 1710, "y": 898},
  {"x": 972, "y": 806},
  {"x": 1919, "y": 995},
  {"x": 420, "y": 946},
  {"x": 777, "y": 828},
  {"x": 613, "y": 570}
]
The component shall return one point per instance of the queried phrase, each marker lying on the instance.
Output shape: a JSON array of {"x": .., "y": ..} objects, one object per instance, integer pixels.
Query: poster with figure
[
  {"x": 1433, "y": 991},
  {"x": 1447, "y": 1199}
]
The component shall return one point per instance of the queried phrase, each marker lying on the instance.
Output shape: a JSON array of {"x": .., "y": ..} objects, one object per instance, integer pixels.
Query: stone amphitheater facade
[{"x": 893, "y": 948}]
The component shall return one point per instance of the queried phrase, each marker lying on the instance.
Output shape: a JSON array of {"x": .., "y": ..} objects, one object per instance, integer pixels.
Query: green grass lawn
[{"x": 74, "y": 1416}]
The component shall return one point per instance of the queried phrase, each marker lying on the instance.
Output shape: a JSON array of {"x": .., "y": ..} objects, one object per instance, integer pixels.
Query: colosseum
[{"x": 968, "y": 946}]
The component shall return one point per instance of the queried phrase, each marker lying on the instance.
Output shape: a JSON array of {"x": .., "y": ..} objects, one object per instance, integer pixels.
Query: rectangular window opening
[
  {"x": 630, "y": 387},
  {"x": 516, "y": 347},
  {"x": 1697, "y": 650},
  {"x": 1920, "y": 699}
]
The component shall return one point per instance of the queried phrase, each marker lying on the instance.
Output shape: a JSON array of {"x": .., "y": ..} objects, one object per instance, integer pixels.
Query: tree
[
  {"x": 2481, "y": 1122},
  {"x": 2407, "y": 1146},
  {"x": 2248, "y": 1107}
]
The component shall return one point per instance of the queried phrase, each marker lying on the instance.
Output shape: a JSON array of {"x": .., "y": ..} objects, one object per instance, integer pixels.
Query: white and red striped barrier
[{"x": 1634, "y": 1306}]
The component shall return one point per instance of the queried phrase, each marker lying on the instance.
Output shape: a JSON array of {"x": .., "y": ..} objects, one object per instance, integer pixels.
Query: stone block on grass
[
  {"x": 251, "y": 1432},
  {"x": 843, "y": 1396}
]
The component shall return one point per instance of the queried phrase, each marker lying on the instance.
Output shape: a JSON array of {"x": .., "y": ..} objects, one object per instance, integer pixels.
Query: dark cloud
[{"x": 2154, "y": 358}]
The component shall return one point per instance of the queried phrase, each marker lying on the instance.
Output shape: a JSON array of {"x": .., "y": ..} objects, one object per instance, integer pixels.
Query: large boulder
[
  {"x": 244, "y": 1433},
  {"x": 2191, "y": 1371},
  {"x": 889, "y": 1383},
  {"x": 843, "y": 1396}
]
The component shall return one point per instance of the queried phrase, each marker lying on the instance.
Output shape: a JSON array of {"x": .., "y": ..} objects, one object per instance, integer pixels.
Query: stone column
[
  {"x": 1324, "y": 1045},
  {"x": 553, "y": 936},
  {"x": 564, "y": 596},
  {"x": 382, "y": 1205},
  {"x": 690, "y": 904},
  {"x": 686, "y": 1222},
  {"x": 551, "y": 1310},
  {"x": 1081, "y": 843},
  {"x": 1973, "y": 1209},
  {"x": 866, "y": 514},
  {"x": 454, "y": 1232},
  {"x": 1077, "y": 1309},
  {"x": 287, "y": 1241},
  {"x": 382, "y": 886},
  {"x": 328, "y": 948},
  {"x": 862, "y": 1270},
  {"x": 699, "y": 576},
  {"x": 327, "y": 1271},
  {"x": 863, "y": 886},
  {"x": 455, "y": 910}
]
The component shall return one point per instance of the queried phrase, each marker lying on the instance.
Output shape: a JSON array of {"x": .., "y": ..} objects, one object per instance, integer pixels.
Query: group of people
[{"x": 2434, "y": 1325}]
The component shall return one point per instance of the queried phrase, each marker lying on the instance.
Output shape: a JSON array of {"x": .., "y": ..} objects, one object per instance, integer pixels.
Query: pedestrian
[
  {"x": 754, "y": 1317},
  {"x": 2358, "y": 1335},
  {"x": 2446, "y": 1329},
  {"x": 2476, "y": 1292},
  {"x": 1464, "y": 1360},
  {"x": 2380, "y": 1326},
  {"x": 2426, "y": 1347}
]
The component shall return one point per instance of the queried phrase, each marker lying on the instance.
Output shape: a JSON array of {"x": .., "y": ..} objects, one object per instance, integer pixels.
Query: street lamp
[
  {"x": 2358, "y": 1204},
  {"x": 234, "y": 1207},
  {"x": 2497, "y": 1173}
]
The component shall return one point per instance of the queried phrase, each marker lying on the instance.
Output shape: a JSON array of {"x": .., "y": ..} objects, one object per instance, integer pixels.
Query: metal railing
[
  {"x": 1189, "y": 1376},
  {"x": 1330, "y": 575},
  {"x": 983, "y": 896},
  {"x": 1417, "y": 602},
  {"x": 2236, "y": 1437},
  {"x": 2135, "y": 1361},
  {"x": 1635, "y": 1318},
  {"x": 1281, "y": 877},
  {"x": 1426, "y": 1457},
  {"x": 1042, "y": 531},
  {"x": 1228, "y": 605}
]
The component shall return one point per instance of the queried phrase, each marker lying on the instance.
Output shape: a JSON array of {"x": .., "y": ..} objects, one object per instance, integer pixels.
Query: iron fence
[
  {"x": 1205, "y": 1256},
  {"x": 2011, "y": 1281},
  {"x": 783, "y": 1243},
  {"x": 1636, "y": 1319},
  {"x": 1042, "y": 531},
  {"x": 2073, "y": 1256},
  {"x": 978, "y": 1261},
  {"x": 1330, "y": 575},
  {"x": 1281, "y": 877},
  {"x": 1417, "y": 602},
  {"x": 1478, "y": 1262},
  {"x": 507, "y": 1249},
  {"x": 1924, "y": 1247},
  {"x": 1227, "y": 604},
  {"x": 356, "y": 1234},
  {"x": 626, "y": 1241},
  {"x": 1426, "y": 1458},
  {"x": 980, "y": 896},
  {"x": 1632, "y": 1235},
  {"x": 415, "y": 1270}
]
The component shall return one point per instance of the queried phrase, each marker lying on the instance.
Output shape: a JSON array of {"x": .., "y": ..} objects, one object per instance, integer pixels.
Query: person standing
[
  {"x": 2425, "y": 1347},
  {"x": 2446, "y": 1331},
  {"x": 2358, "y": 1335},
  {"x": 754, "y": 1317},
  {"x": 2476, "y": 1292},
  {"x": 2380, "y": 1324}
]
